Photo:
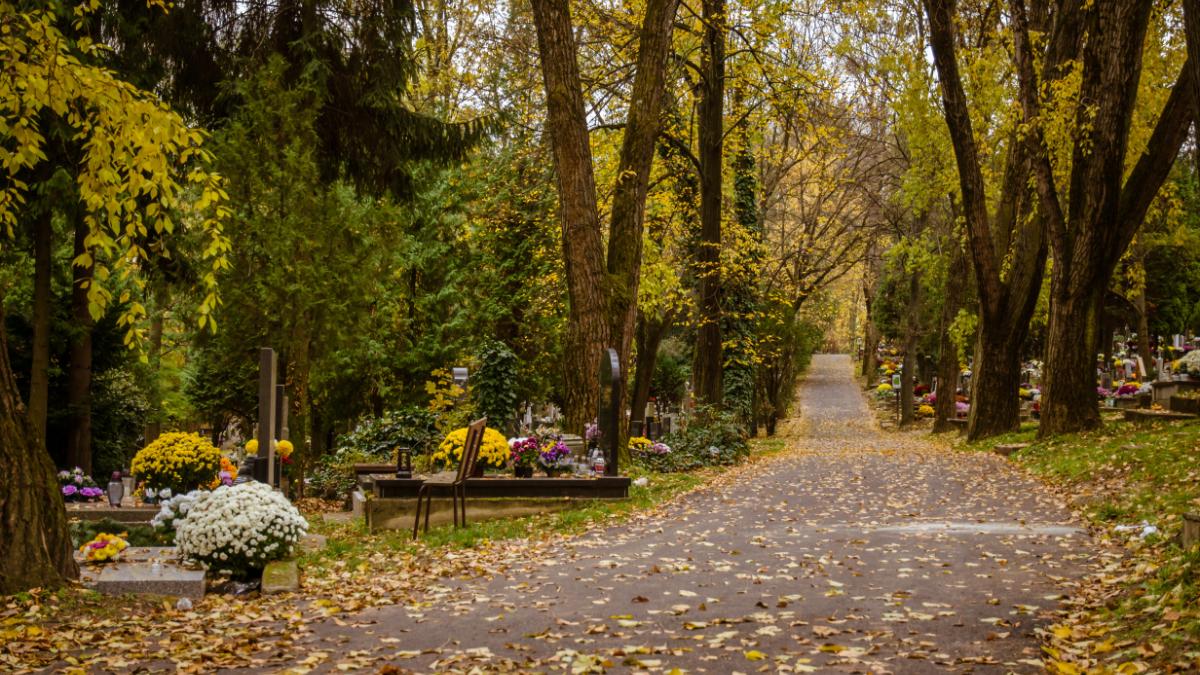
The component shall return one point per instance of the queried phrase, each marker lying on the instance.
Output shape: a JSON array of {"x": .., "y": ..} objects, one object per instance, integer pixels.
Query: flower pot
[
  {"x": 553, "y": 472},
  {"x": 478, "y": 472},
  {"x": 523, "y": 471}
]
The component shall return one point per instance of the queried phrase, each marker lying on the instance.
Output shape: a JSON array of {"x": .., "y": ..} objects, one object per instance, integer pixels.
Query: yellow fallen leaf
[{"x": 754, "y": 655}]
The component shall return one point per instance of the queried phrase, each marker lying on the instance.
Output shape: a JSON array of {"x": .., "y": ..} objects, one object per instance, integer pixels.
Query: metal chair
[{"x": 455, "y": 482}]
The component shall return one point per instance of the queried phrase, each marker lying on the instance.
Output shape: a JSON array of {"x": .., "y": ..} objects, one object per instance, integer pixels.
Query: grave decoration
[
  {"x": 493, "y": 452},
  {"x": 104, "y": 548},
  {"x": 404, "y": 465},
  {"x": 239, "y": 529},
  {"x": 116, "y": 490},
  {"x": 523, "y": 453},
  {"x": 77, "y": 486},
  {"x": 175, "y": 463},
  {"x": 554, "y": 457}
]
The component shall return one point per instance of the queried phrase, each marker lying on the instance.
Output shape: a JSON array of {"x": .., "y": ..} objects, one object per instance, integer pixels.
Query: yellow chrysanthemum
[{"x": 493, "y": 451}]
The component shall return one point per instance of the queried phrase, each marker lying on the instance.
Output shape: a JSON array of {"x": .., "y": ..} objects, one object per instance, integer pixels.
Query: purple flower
[
  {"x": 226, "y": 479},
  {"x": 552, "y": 454},
  {"x": 591, "y": 431},
  {"x": 660, "y": 448},
  {"x": 69, "y": 490},
  {"x": 78, "y": 479}
]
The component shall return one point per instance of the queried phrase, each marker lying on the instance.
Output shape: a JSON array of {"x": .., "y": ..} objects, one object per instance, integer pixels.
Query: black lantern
[{"x": 403, "y": 463}]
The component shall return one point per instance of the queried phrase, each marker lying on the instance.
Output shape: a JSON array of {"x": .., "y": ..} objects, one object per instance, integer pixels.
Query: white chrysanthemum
[{"x": 240, "y": 528}]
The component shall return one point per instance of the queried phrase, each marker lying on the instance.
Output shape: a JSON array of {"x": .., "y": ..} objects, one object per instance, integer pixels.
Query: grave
[
  {"x": 1190, "y": 535},
  {"x": 280, "y": 576},
  {"x": 144, "y": 570},
  {"x": 1139, "y": 416},
  {"x": 101, "y": 511},
  {"x": 609, "y": 414}
]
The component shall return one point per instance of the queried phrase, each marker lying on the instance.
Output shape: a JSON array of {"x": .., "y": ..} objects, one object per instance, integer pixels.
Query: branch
[
  {"x": 962, "y": 137},
  {"x": 1169, "y": 134}
]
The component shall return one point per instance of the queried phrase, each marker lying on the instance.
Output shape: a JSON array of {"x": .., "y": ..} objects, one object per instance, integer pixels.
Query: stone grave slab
[
  {"x": 312, "y": 542},
  {"x": 144, "y": 570},
  {"x": 1139, "y": 416},
  {"x": 281, "y": 576},
  {"x": 1007, "y": 449}
]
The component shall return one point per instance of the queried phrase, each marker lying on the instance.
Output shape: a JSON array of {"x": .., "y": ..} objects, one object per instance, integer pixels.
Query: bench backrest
[{"x": 470, "y": 452}]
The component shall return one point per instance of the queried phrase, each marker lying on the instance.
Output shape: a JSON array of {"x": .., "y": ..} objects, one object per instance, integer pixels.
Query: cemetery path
[{"x": 855, "y": 551}]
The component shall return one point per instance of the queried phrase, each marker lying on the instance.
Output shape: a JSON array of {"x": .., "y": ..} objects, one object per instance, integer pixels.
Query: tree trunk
[
  {"x": 157, "y": 321},
  {"x": 707, "y": 369},
  {"x": 906, "y": 378},
  {"x": 909, "y": 370},
  {"x": 1069, "y": 400},
  {"x": 650, "y": 334},
  {"x": 603, "y": 293},
  {"x": 995, "y": 406},
  {"x": 583, "y": 252},
  {"x": 945, "y": 407},
  {"x": 79, "y": 383},
  {"x": 870, "y": 360},
  {"x": 39, "y": 371},
  {"x": 1092, "y": 223},
  {"x": 1143, "y": 330},
  {"x": 35, "y": 542}
]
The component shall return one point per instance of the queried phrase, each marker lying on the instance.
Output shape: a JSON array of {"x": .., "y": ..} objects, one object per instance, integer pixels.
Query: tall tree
[
  {"x": 602, "y": 288},
  {"x": 1091, "y": 224},
  {"x": 709, "y": 362},
  {"x": 1006, "y": 245}
]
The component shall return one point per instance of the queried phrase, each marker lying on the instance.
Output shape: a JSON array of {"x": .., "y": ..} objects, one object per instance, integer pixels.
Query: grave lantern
[
  {"x": 460, "y": 376},
  {"x": 116, "y": 490},
  {"x": 403, "y": 463}
]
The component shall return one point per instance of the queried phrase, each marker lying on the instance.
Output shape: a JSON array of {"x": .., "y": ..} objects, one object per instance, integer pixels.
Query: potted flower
[
  {"x": 552, "y": 457},
  {"x": 524, "y": 453},
  {"x": 78, "y": 486}
]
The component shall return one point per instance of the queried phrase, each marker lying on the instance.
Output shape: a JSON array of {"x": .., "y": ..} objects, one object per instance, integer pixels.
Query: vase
[
  {"x": 553, "y": 471},
  {"x": 523, "y": 471},
  {"x": 478, "y": 472}
]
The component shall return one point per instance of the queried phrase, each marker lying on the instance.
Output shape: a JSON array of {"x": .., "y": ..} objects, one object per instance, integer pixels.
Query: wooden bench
[{"x": 454, "y": 482}]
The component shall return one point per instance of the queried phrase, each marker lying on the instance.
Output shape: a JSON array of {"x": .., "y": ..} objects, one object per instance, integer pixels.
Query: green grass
[
  {"x": 1123, "y": 474},
  {"x": 1120, "y": 472}
]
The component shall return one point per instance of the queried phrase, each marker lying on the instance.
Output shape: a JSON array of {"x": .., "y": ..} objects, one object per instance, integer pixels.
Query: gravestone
[
  {"x": 264, "y": 465},
  {"x": 609, "y": 415}
]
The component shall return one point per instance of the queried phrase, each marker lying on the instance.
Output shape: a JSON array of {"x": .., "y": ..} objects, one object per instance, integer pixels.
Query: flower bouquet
[
  {"x": 104, "y": 548},
  {"x": 524, "y": 454},
  {"x": 78, "y": 486},
  {"x": 553, "y": 457}
]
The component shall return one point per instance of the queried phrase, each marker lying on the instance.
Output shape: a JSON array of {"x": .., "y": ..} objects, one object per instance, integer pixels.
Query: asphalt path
[{"x": 856, "y": 551}]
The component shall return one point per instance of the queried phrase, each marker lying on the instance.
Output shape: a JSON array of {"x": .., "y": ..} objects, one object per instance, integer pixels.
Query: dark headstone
[
  {"x": 267, "y": 365},
  {"x": 609, "y": 415}
]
